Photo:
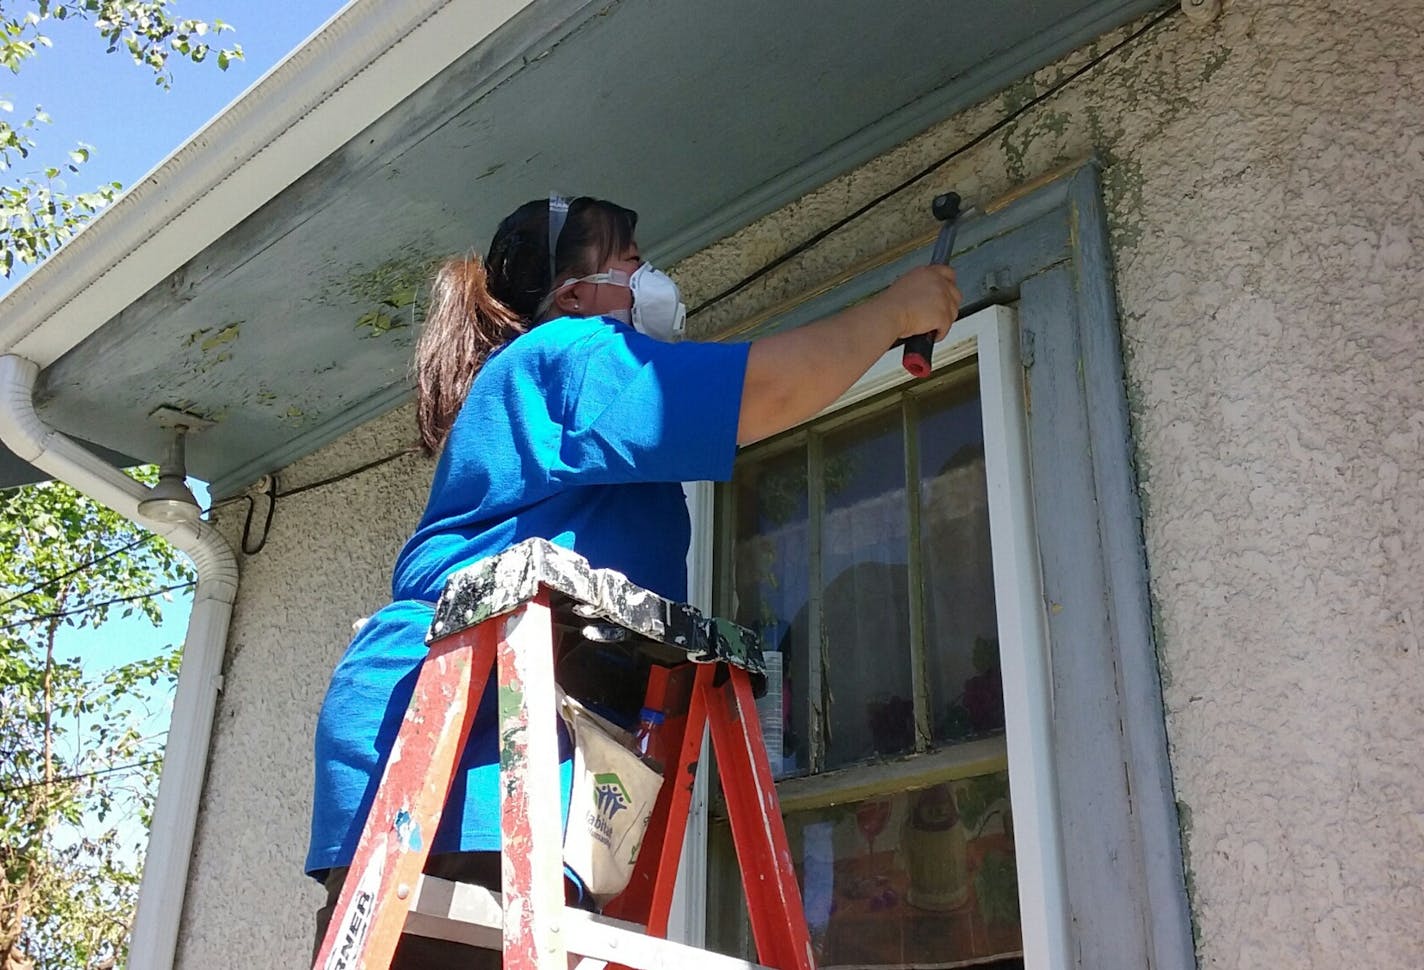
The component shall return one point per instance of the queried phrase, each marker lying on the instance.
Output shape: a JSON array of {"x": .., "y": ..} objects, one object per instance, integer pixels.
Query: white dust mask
[{"x": 658, "y": 310}]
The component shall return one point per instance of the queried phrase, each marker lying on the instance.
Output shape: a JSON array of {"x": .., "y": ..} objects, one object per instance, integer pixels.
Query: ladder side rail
[
  {"x": 530, "y": 800},
  {"x": 649, "y": 896},
  {"x": 366, "y": 924},
  {"x": 758, "y": 832},
  {"x": 680, "y": 785}
]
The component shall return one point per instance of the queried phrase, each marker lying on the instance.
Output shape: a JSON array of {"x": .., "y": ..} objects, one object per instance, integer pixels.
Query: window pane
[
  {"x": 913, "y": 879},
  {"x": 772, "y": 576},
  {"x": 864, "y": 566},
  {"x": 961, "y": 639}
]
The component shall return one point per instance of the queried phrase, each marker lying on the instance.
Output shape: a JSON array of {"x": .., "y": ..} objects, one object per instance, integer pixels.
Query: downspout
[{"x": 154, "y": 938}]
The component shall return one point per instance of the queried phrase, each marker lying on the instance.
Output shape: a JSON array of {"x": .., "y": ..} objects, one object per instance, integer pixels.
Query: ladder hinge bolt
[{"x": 403, "y": 891}]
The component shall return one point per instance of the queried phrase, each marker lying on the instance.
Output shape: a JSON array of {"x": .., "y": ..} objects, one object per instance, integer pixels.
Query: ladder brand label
[{"x": 346, "y": 955}]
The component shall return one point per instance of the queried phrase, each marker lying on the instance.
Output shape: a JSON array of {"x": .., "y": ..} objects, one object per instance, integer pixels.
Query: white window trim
[
  {"x": 991, "y": 334},
  {"x": 687, "y": 921},
  {"x": 1023, "y": 639}
]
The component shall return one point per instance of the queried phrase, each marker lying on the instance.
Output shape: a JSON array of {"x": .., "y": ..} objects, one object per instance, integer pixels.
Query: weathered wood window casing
[{"x": 1112, "y": 824}]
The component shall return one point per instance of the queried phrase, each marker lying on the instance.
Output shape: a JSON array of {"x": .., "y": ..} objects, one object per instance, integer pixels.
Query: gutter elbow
[{"x": 18, "y": 422}]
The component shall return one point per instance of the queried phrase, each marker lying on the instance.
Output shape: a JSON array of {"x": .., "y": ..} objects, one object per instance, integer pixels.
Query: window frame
[
  {"x": 1045, "y": 251},
  {"x": 989, "y": 337}
]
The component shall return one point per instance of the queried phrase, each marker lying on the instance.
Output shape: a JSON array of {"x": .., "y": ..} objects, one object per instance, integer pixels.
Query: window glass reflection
[
  {"x": 961, "y": 638},
  {"x": 864, "y": 568},
  {"x": 771, "y": 566}
]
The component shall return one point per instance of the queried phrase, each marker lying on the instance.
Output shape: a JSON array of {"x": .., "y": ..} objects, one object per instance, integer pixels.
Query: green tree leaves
[
  {"x": 37, "y": 211},
  {"x": 81, "y": 761},
  {"x": 148, "y": 31}
]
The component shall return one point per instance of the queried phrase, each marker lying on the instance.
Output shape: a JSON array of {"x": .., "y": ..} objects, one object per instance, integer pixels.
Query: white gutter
[
  {"x": 165, "y": 873},
  {"x": 363, "y": 62}
]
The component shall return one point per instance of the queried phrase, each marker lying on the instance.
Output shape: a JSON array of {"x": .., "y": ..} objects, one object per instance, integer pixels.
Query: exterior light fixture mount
[{"x": 171, "y": 500}]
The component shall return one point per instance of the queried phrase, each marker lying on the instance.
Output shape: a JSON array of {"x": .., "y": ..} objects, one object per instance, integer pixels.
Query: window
[
  {"x": 1092, "y": 818},
  {"x": 883, "y": 552}
]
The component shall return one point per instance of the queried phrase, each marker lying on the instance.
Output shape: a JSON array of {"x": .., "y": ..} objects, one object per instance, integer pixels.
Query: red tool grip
[{"x": 916, "y": 357}]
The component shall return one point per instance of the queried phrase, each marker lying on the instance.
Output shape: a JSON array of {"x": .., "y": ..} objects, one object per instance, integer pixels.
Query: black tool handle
[{"x": 919, "y": 348}]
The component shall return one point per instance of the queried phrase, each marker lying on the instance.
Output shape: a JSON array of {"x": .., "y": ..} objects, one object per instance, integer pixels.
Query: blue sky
[{"x": 109, "y": 103}]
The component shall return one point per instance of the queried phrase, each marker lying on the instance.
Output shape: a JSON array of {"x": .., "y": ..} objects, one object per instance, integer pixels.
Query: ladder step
[
  {"x": 463, "y": 913},
  {"x": 457, "y": 912}
]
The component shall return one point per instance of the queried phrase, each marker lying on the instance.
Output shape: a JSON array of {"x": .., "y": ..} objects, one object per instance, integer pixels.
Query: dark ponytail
[
  {"x": 464, "y": 323},
  {"x": 477, "y": 307}
]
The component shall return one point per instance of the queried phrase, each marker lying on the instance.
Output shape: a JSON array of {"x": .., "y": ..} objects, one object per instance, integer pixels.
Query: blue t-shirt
[{"x": 580, "y": 432}]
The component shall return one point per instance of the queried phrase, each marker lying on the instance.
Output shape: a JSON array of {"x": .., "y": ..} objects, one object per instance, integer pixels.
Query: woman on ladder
[{"x": 553, "y": 385}]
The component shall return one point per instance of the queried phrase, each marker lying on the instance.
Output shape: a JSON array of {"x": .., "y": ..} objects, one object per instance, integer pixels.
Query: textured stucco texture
[{"x": 1262, "y": 175}]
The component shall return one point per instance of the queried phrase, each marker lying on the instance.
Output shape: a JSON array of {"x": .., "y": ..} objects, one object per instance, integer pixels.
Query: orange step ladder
[{"x": 503, "y": 615}]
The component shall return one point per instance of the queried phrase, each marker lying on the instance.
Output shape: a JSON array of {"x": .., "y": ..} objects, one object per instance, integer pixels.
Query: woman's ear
[{"x": 567, "y": 301}]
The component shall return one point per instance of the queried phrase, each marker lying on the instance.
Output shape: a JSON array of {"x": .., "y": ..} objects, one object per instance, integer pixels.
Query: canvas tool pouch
[{"x": 610, "y": 805}]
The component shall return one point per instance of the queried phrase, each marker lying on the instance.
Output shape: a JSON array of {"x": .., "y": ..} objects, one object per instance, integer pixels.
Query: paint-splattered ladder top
[{"x": 500, "y": 583}]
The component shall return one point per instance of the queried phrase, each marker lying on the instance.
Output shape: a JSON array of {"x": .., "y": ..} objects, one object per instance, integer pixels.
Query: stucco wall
[{"x": 1262, "y": 175}]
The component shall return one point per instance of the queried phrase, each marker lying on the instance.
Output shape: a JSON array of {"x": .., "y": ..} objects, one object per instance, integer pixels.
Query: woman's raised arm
[{"x": 791, "y": 376}]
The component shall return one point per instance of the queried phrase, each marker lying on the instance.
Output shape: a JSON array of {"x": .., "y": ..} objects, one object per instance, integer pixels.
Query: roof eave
[{"x": 362, "y": 63}]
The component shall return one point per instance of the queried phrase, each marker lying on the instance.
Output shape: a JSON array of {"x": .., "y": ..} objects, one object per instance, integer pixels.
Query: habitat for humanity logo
[
  {"x": 609, "y": 798},
  {"x": 609, "y": 795}
]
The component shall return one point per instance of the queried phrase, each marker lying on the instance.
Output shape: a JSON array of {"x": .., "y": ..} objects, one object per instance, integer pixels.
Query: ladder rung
[
  {"x": 456, "y": 911},
  {"x": 464, "y": 913}
]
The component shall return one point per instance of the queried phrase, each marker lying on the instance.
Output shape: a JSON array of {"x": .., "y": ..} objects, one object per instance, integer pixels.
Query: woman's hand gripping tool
[{"x": 920, "y": 348}]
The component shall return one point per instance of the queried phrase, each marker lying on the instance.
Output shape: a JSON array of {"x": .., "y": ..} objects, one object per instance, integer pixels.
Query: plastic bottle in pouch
[{"x": 647, "y": 739}]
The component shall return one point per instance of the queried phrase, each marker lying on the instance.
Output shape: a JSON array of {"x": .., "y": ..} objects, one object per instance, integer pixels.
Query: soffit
[{"x": 297, "y": 324}]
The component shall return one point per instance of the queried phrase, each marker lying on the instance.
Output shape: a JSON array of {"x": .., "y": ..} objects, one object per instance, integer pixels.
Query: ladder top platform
[{"x": 501, "y": 583}]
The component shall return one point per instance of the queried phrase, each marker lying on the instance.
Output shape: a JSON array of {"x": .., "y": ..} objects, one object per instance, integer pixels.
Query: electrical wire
[
  {"x": 90, "y": 564},
  {"x": 271, "y": 492},
  {"x": 81, "y": 776},
  {"x": 38, "y": 617},
  {"x": 78, "y": 569},
  {"x": 931, "y": 168},
  {"x": 730, "y": 291},
  {"x": 805, "y": 245},
  {"x": 351, "y": 473}
]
